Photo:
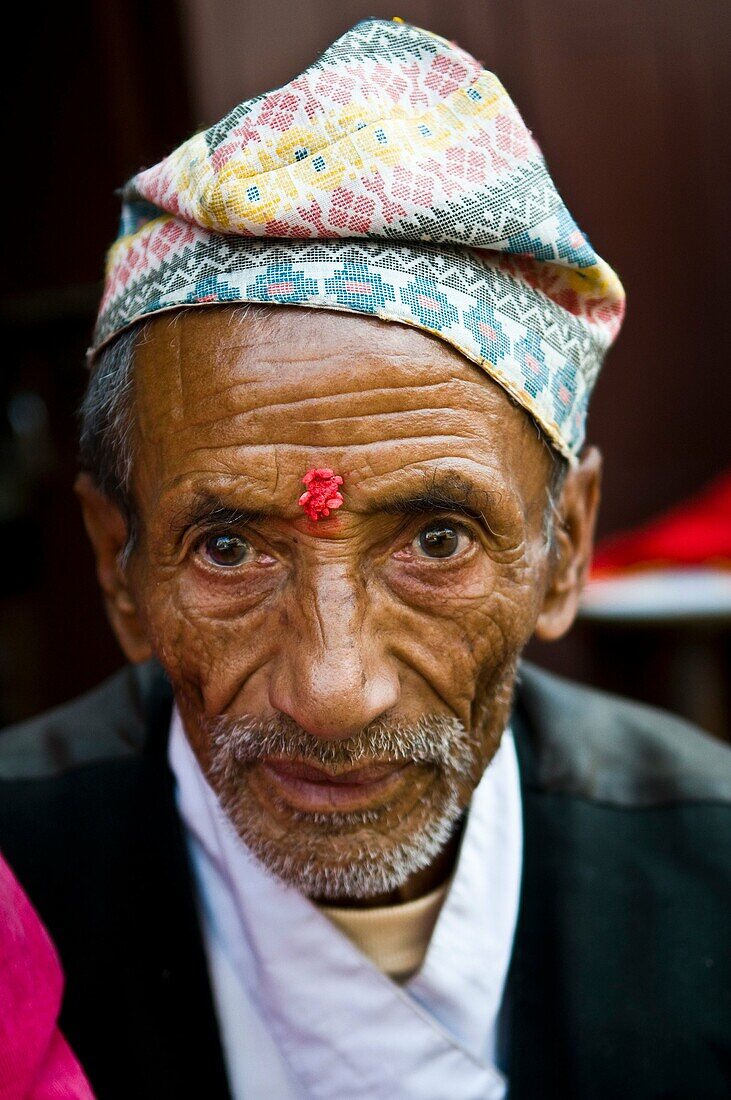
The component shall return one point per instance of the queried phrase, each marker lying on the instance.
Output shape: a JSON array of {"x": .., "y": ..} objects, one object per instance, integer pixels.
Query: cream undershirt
[{"x": 394, "y": 937}]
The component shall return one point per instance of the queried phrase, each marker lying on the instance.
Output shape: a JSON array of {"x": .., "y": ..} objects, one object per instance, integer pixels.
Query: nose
[{"x": 330, "y": 674}]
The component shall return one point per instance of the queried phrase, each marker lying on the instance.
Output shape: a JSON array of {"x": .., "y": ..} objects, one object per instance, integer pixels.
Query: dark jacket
[{"x": 620, "y": 983}]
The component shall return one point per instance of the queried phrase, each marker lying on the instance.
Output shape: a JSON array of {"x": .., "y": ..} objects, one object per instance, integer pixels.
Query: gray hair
[
  {"x": 107, "y": 419},
  {"x": 107, "y": 428}
]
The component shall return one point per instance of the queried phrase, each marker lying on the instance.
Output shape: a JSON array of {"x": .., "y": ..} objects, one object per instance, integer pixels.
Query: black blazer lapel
[{"x": 619, "y": 981}]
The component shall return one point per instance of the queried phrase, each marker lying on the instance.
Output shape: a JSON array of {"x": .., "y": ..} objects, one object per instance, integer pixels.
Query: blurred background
[{"x": 630, "y": 103}]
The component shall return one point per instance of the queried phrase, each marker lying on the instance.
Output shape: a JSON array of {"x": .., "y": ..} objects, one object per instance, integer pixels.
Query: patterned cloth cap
[{"x": 394, "y": 177}]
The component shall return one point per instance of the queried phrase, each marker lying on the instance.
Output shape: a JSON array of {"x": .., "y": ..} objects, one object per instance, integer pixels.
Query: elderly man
[{"x": 326, "y": 837}]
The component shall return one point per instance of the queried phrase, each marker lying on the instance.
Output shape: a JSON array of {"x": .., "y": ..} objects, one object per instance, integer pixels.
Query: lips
[
  {"x": 314, "y": 789},
  {"x": 313, "y": 774}
]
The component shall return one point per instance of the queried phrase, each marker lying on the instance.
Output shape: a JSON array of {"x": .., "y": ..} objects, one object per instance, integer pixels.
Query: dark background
[{"x": 630, "y": 102}]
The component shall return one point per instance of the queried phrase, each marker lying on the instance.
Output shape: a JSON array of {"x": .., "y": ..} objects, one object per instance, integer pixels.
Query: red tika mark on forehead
[{"x": 321, "y": 496}]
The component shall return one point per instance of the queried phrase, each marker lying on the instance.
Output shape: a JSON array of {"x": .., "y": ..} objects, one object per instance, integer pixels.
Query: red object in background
[
  {"x": 694, "y": 533},
  {"x": 35, "y": 1061},
  {"x": 322, "y": 494}
]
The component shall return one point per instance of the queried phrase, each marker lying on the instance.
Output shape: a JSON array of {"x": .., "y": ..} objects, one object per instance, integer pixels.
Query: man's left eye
[
  {"x": 441, "y": 540},
  {"x": 227, "y": 550}
]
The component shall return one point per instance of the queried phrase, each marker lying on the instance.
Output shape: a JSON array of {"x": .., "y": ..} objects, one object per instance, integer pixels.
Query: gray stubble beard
[{"x": 340, "y": 855}]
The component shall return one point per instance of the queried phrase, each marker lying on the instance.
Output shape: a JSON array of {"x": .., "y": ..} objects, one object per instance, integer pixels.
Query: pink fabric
[{"x": 35, "y": 1060}]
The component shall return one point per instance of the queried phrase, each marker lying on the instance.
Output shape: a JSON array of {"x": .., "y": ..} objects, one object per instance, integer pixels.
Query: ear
[
  {"x": 573, "y": 544},
  {"x": 107, "y": 529}
]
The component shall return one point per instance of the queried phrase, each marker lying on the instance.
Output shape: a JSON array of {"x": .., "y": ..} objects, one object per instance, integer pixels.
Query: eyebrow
[
  {"x": 448, "y": 494},
  {"x": 208, "y": 509}
]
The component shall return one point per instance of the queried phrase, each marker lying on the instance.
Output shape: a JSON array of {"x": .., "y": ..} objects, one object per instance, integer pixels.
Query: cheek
[
  {"x": 210, "y": 634},
  {"x": 461, "y": 628}
]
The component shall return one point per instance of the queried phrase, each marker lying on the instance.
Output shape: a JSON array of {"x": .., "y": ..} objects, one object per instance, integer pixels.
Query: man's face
[{"x": 343, "y": 682}]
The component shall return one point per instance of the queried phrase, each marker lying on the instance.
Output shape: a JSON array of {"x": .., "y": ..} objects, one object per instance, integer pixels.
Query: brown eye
[
  {"x": 226, "y": 550},
  {"x": 441, "y": 540}
]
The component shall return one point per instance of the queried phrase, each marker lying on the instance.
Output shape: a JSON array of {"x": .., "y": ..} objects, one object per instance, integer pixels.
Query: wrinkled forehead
[
  {"x": 232, "y": 386},
  {"x": 194, "y": 353}
]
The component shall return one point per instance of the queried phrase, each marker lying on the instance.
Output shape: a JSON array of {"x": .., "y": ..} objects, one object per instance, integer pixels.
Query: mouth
[{"x": 314, "y": 790}]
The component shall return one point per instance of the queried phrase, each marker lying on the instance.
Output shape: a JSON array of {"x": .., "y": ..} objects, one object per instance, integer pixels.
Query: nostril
[{"x": 328, "y": 708}]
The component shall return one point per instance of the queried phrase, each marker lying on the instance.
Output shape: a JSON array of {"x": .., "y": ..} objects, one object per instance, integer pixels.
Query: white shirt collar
[{"x": 286, "y": 963}]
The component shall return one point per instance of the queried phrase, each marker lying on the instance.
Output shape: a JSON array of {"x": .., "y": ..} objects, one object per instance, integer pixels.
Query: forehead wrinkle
[
  {"x": 390, "y": 416},
  {"x": 355, "y": 395},
  {"x": 332, "y": 416},
  {"x": 445, "y": 471},
  {"x": 262, "y": 429},
  {"x": 330, "y": 381},
  {"x": 204, "y": 368},
  {"x": 309, "y": 409},
  {"x": 319, "y": 448}
]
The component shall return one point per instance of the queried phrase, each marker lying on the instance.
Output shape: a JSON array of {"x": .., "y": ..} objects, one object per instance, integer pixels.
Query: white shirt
[{"x": 303, "y": 1013}]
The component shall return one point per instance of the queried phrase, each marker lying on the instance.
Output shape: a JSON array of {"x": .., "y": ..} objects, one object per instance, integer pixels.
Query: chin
[{"x": 360, "y": 854}]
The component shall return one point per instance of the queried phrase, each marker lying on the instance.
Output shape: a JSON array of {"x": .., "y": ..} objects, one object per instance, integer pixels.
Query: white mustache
[{"x": 432, "y": 739}]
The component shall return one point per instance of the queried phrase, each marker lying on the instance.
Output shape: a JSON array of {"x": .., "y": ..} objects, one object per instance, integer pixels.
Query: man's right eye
[
  {"x": 227, "y": 550},
  {"x": 441, "y": 539}
]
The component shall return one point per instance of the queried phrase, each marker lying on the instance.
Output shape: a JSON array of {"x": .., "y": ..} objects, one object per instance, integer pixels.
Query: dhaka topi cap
[{"x": 395, "y": 178}]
